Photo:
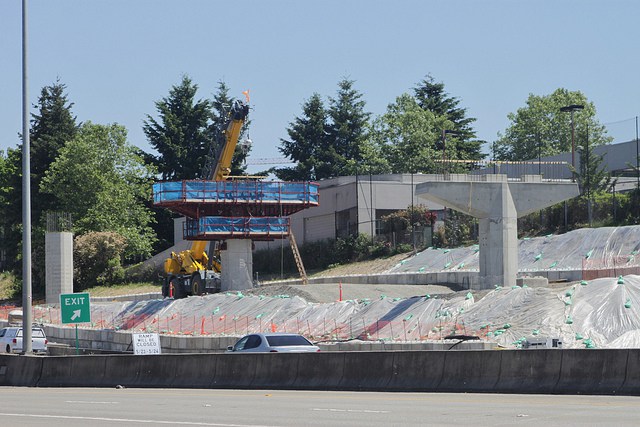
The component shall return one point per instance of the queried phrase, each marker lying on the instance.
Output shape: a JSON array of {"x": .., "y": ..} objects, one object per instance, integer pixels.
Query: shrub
[{"x": 97, "y": 259}]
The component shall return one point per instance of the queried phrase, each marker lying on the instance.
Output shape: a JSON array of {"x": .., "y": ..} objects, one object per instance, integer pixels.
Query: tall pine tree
[
  {"x": 51, "y": 128},
  {"x": 431, "y": 96},
  {"x": 348, "y": 131},
  {"x": 180, "y": 133},
  {"x": 306, "y": 144}
]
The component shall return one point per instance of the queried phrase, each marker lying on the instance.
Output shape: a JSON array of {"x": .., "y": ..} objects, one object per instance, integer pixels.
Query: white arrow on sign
[{"x": 76, "y": 314}]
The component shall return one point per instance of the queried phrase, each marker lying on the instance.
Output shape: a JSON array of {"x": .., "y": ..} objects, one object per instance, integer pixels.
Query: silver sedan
[{"x": 273, "y": 343}]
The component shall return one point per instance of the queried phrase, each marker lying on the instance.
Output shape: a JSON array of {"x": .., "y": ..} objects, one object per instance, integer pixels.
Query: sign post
[{"x": 75, "y": 308}]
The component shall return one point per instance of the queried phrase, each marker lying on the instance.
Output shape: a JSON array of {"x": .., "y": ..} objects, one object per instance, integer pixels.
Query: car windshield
[{"x": 286, "y": 340}]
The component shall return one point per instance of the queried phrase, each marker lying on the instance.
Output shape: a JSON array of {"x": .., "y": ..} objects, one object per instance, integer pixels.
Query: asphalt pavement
[{"x": 72, "y": 407}]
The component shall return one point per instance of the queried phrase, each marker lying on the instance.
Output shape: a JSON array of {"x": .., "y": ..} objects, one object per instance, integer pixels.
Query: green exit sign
[{"x": 74, "y": 308}]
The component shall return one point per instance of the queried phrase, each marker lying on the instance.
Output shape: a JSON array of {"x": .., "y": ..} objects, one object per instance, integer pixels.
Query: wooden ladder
[{"x": 296, "y": 256}]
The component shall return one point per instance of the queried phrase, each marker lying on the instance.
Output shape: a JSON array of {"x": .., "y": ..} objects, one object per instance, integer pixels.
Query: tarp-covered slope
[
  {"x": 598, "y": 313},
  {"x": 583, "y": 248}
]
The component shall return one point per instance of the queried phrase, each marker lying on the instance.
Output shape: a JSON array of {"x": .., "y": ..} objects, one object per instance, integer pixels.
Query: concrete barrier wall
[
  {"x": 464, "y": 279},
  {"x": 583, "y": 371}
]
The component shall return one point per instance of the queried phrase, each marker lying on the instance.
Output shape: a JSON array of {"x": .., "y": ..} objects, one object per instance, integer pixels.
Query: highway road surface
[{"x": 94, "y": 407}]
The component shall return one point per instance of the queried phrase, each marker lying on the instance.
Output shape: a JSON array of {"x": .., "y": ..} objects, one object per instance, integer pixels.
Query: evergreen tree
[
  {"x": 10, "y": 208},
  {"x": 431, "y": 96},
  {"x": 306, "y": 144},
  {"x": 180, "y": 135},
  {"x": 347, "y": 132}
]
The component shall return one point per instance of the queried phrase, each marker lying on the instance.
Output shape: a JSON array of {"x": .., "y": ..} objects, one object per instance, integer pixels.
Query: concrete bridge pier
[
  {"x": 237, "y": 265},
  {"x": 497, "y": 203}
]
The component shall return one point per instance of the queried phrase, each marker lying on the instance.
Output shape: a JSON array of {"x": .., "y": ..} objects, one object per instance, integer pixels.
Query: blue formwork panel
[
  {"x": 238, "y": 227},
  {"x": 236, "y": 192}
]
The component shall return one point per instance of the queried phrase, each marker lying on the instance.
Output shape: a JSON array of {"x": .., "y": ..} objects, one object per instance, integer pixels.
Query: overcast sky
[{"x": 118, "y": 57}]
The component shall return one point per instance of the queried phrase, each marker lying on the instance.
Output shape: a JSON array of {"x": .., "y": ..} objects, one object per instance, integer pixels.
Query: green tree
[
  {"x": 431, "y": 96},
  {"x": 51, "y": 128},
  {"x": 407, "y": 135},
  {"x": 180, "y": 134},
  {"x": 103, "y": 182},
  {"x": 307, "y": 144},
  {"x": 11, "y": 208},
  {"x": 348, "y": 144},
  {"x": 540, "y": 128},
  {"x": 220, "y": 107}
]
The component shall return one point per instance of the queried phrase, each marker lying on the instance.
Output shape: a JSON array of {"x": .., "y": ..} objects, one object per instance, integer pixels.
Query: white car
[
  {"x": 11, "y": 339},
  {"x": 273, "y": 343}
]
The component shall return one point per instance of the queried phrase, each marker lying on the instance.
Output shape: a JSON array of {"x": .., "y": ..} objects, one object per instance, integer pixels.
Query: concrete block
[
  {"x": 23, "y": 371},
  {"x": 533, "y": 282},
  {"x": 320, "y": 371},
  {"x": 236, "y": 370},
  {"x": 529, "y": 371},
  {"x": 416, "y": 371},
  {"x": 195, "y": 371},
  {"x": 470, "y": 371},
  {"x": 593, "y": 371}
]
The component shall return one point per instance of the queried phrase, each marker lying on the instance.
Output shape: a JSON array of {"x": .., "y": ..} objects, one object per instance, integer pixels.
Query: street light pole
[
  {"x": 571, "y": 109},
  {"x": 26, "y": 197}
]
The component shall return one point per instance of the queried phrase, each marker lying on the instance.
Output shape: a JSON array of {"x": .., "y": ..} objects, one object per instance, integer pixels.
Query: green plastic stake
[
  {"x": 554, "y": 264},
  {"x": 568, "y": 302},
  {"x": 569, "y": 293},
  {"x": 408, "y": 317},
  {"x": 535, "y": 332},
  {"x": 588, "y": 255},
  {"x": 584, "y": 283},
  {"x": 620, "y": 280},
  {"x": 588, "y": 343},
  {"x": 579, "y": 336},
  {"x": 627, "y": 304},
  {"x": 215, "y": 310},
  {"x": 506, "y": 326},
  {"x": 421, "y": 269},
  {"x": 447, "y": 265},
  {"x": 383, "y": 296},
  {"x": 469, "y": 295},
  {"x": 461, "y": 265},
  {"x": 538, "y": 257},
  {"x": 569, "y": 320},
  {"x": 447, "y": 251}
]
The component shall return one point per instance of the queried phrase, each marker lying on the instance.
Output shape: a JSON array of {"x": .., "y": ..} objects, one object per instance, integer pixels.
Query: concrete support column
[
  {"x": 497, "y": 203},
  {"x": 237, "y": 265},
  {"x": 58, "y": 265}
]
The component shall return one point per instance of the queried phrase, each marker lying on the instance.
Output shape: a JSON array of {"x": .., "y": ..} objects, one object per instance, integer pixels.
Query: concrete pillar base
[
  {"x": 58, "y": 265},
  {"x": 237, "y": 265}
]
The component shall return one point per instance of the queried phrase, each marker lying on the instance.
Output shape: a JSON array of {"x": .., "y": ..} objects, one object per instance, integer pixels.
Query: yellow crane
[{"x": 187, "y": 272}]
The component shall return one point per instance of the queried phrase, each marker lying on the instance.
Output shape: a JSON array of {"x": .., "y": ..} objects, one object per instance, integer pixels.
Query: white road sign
[{"x": 144, "y": 344}]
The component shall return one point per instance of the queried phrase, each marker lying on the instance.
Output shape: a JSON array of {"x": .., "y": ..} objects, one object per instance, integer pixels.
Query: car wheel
[
  {"x": 196, "y": 285},
  {"x": 8, "y": 348}
]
